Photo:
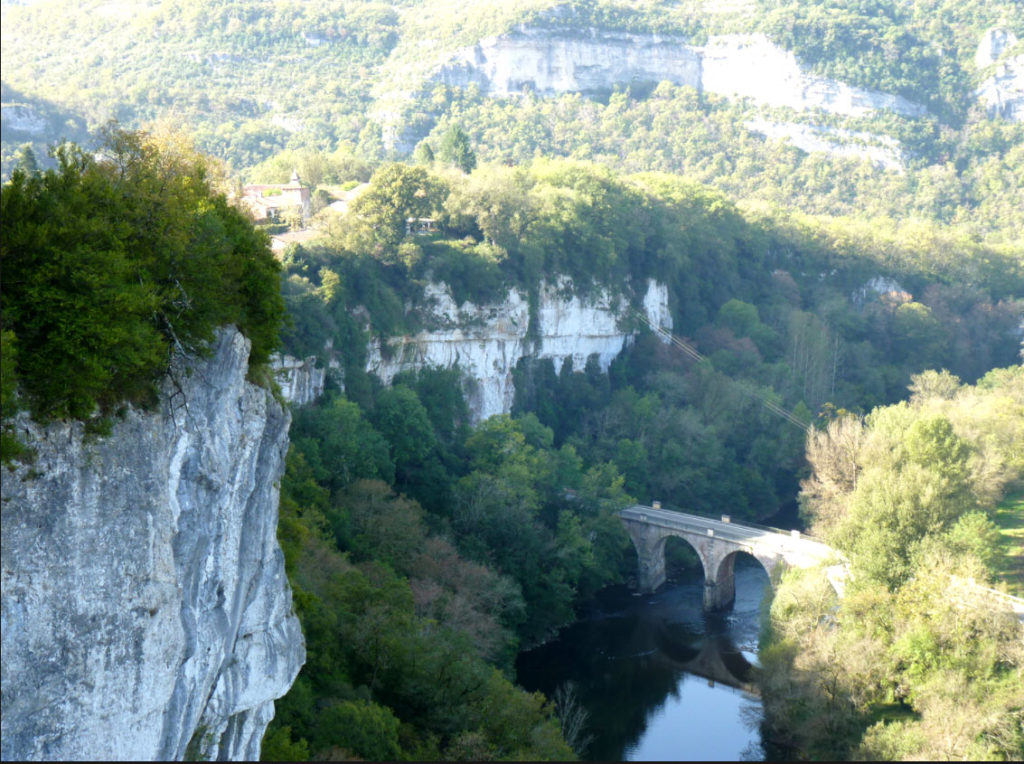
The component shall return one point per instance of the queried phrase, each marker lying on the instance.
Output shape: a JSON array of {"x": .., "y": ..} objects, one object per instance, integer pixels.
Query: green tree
[
  {"x": 423, "y": 154},
  {"x": 360, "y": 727},
  {"x": 112, "y": 264},
  {"x": 397, "y": 193},
  {"x": 25, "y": 159},
  {"x": 340, "y": 445},
  {"x": 402, "y": 420},
  {"x": 456, "y": 149}
]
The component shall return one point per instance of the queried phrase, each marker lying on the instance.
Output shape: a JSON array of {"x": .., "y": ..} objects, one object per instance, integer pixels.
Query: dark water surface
[{"x": 659, "y": 678}]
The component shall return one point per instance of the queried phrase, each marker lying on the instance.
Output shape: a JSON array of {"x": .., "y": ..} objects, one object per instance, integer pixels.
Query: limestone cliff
[
  {"x": 735, "y": 66},
  {"x": 560, "y": 62},
  {"x": 301, "y": 380},
  {"x": 487, "y": 341},
  {"x": 146, "y": 614},
  {"x": 1002, "y": 91}
]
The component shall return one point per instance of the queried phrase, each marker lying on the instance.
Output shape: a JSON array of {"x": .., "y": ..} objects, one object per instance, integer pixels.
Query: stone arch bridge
[{"x": 717, "y": 542}]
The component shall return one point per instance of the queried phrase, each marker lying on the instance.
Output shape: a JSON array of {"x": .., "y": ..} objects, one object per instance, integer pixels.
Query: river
[{"x": 658, "y": 678}]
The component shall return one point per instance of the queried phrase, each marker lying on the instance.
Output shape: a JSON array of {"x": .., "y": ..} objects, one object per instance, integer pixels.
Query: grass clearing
[{"x": 1009, "y": 517}]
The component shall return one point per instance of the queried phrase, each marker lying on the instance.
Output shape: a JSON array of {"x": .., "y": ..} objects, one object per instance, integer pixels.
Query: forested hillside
[
  {"x": 915, "y": 661},
  {"x": 818, "y": 316},
  {"x": 360, "y": 78}
]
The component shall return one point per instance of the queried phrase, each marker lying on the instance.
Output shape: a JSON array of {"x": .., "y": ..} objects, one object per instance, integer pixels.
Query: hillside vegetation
[
  {"x": 425, "y": 552},
  {"x": 335, "y": 77},
  {"x": 526, "y": 502},
  {"x": 914, "y": 662},
  {"x": 112, "y": 265}
]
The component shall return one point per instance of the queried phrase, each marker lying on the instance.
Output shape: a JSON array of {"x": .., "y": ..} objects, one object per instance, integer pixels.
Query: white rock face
[
  {"x": 559, "y": 63},
  {"x": 751, "y": 66},
  {"x": 22, "y": 118},
  {"x": 874, "y": 288},
  {"x": 301, "y": 381},
  {"x": 736, "y": 66},
  {"x": 487, "y": 341},
  {"x": 145, "y": 603},
  {"x": 881, "y": 150},
  {"x": 1002, "y": 91},
  {"x": 993, "y": 44}
]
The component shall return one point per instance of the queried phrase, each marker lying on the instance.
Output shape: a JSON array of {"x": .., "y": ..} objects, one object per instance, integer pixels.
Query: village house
[
  {"x": 420, "y": 226},
  {"x": 269, "y": 201}
]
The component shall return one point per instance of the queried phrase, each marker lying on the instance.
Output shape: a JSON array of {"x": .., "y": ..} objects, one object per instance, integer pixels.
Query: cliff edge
[{"x": 146, "y": 613}]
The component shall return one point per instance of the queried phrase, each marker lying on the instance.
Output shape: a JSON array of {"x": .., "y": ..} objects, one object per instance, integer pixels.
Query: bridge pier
[
  {"x": 720, "y": 589},
  {"x": 650, "y": 549}
]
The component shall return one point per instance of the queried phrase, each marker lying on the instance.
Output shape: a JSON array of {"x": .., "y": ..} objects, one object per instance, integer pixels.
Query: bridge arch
[
  {"x": 724, "y": 576},
  {"x": 717, "y": 560},
  {"x": 682, "y": 541}
]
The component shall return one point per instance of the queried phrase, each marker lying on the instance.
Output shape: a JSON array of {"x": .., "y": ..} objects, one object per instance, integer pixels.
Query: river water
[{"x": 659, "y": 679}]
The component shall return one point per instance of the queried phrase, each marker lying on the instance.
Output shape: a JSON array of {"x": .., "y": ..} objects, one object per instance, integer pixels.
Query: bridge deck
[{"x": 738, "y": 533}]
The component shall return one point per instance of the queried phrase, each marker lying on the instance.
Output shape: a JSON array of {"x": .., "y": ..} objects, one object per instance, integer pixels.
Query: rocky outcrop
[
  {"x": 877, "y": 287},
  {"x": 751, "y": 66},
  {"x": 22, "y": 119},
  {"x": 880, "y": 150},
  {"x": 1002, "y": 91},
  {"x": 146, "y": 613},
  {"x": 587, "y": 62},
  {"x": 301, "y": 380},
  {"x": 737, "y": 66},
  {"x": 487, "y": 341},
  {"x": 993, "y": 44}
]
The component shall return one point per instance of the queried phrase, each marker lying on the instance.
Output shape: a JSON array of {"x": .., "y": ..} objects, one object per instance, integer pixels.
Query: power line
[{"x": 694, "y": 354}]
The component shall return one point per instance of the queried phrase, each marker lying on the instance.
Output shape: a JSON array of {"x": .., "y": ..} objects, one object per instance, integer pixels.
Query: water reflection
[{"x": 658, "y": 678}]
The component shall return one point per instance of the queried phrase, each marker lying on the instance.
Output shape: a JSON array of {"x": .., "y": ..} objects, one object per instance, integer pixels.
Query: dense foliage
[
  {"x": 402, "y": 632},
  {"x": 112, "y": 264},
  {"x": 424, "y": 552},
  {"x": 967, "y": 177},
  {"x": 784, "y": 300},
  {"x": 413, "y": 604},
  {"x": 777, "y": 304},
  {"x": 915, "y": 661}
]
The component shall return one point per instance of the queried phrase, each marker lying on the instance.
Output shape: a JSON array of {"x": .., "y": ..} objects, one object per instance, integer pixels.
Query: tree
[
  {"x": 457, "y": 150},
  {"x": 401, "y": 419},
  {"x": 824, "y": 496},
  {"x": 112, "y": 264},
  {"x": 340, "y": 445},
  {"x": 397, "y": 193},
  {"x": 361, "y": 727},
  {"x": 25, "y": 159},
  {"x": 423, "y": 154}
]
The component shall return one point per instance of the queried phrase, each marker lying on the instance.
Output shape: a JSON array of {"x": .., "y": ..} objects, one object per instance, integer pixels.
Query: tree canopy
[{"x": 113, "y": 263}]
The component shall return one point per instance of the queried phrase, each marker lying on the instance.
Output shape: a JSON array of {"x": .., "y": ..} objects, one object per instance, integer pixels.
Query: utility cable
[{"x": 695, "y": 355}]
